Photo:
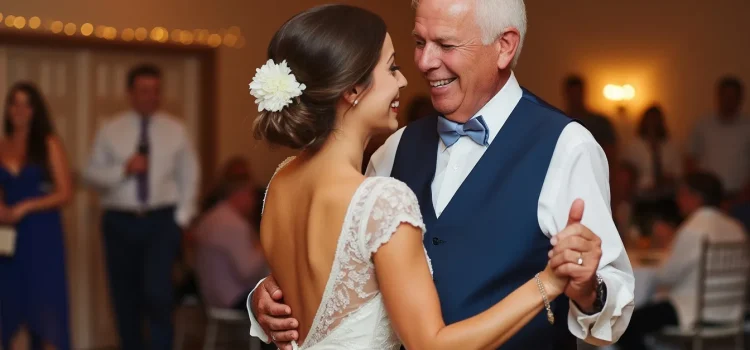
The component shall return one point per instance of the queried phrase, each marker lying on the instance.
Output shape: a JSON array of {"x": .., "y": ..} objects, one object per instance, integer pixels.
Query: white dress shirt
[
  {"x": 578, "y": 169},
  {"x": 723, "y": 149},
  {"x": 173, "y": 172},
  {"x": 680, "y": 271},
  {"x": 638, "y": 153}
]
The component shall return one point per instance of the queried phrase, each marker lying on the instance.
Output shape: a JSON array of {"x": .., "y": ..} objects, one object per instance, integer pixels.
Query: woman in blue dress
[{"x": 35, "y": 182}]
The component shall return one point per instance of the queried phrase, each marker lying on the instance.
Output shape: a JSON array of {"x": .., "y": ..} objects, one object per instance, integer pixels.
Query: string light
[
  {"x": 140, "y": 34},
  {"x": 214, "y": 40},
  {"x": 186, "y": 37},
  {"x": 240, "y": 43},
  {"x": 70, "y": 29},
  {"x": 176, "y": 35},
  {"x": 230, "y": 40},
  {"x": 56, "y": 27},
  {"x": 87, "y": 29},
  {"x": 228, "y": 37},
  {"x": 19, "y": 22},
  {"x": 34, "y": 22},
  {"x": 110, "y": 33},
  {"x": 159, "y": 34},
  {"x": 128, "y": 34}
]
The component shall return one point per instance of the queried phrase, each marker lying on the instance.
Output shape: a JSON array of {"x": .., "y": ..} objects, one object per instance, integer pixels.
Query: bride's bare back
[{"x": 305, "y": 208}]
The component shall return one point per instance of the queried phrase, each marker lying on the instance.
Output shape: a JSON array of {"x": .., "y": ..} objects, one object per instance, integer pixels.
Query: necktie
[
  {"x": 143, "y": 149},
  {"x": 476, "y": 129}
]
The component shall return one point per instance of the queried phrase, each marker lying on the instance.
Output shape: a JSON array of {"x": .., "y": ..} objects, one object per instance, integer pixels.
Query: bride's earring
[{"x": 356, "y": 102}]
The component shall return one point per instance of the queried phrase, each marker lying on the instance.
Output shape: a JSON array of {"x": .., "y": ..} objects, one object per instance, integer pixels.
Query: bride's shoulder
[{"x": 390, "y": 188}]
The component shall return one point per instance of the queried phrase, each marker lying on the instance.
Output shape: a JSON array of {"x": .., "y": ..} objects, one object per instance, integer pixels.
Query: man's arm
[
  {"x": 187, "y": 179},
  {"x": 579, "y": 170},
  {"x": 685, "y": 254},
  {"x": 102, "y": 170}
]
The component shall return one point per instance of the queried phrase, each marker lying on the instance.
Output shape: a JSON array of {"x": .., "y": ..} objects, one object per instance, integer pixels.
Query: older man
[{"x": 496, "y": 174}]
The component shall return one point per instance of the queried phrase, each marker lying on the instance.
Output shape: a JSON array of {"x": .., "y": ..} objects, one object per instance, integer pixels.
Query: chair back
[{"x": 722, "y": 280}]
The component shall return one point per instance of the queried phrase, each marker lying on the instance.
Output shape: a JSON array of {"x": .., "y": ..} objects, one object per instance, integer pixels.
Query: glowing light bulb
[
  {"x": 35, "y": 22},
  {"x": 87, "y": 29},
  {"x": 70, "y": 29}
]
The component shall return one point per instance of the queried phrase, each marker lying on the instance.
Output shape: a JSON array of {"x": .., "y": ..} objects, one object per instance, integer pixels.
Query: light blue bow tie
[{"x": 476, "y": 129}]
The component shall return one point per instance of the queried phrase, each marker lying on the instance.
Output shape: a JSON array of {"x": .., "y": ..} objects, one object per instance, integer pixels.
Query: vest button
[{"x": 436, "y": 241}]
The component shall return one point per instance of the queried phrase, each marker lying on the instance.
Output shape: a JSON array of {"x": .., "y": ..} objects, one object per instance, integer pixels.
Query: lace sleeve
[{"x": 394, "y": 203}]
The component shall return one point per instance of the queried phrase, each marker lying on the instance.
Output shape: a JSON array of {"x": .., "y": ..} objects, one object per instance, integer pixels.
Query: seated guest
[
  {"x": 235, "y": 168},
  {"x": 229, "y": 262},
  {"x": 699, "y": 198}
]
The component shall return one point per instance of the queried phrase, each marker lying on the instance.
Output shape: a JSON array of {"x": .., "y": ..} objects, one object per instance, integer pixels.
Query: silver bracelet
[{"x": 550, "y": 315}]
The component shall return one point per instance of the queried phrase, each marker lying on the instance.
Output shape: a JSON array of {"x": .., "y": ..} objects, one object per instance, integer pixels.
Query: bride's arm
[{"x": 415, "y": 312}]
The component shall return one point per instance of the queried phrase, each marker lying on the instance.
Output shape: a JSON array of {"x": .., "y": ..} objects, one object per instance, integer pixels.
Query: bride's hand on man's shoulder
[{"x": 273, "y": 316}]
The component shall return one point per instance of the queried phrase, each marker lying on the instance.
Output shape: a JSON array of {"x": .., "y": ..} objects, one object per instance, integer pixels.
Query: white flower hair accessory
[{"x": 274, "y": 86}]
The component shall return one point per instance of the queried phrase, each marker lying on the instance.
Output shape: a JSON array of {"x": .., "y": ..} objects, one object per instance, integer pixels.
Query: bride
[{"x": 346, "y": 249}]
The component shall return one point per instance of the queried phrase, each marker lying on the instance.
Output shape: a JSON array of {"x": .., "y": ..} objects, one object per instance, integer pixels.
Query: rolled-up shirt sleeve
[{"x": 579, "y": 169}]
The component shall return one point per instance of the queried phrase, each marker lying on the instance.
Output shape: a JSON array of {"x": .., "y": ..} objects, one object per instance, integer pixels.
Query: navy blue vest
[{"x": 487, "y": 242}]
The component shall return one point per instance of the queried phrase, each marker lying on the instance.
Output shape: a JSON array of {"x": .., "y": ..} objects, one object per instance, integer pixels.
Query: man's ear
[{"x": 507, "y": 45}]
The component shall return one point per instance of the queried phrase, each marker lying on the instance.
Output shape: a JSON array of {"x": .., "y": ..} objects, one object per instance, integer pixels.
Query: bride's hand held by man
[{"x": 576, "y": 254}]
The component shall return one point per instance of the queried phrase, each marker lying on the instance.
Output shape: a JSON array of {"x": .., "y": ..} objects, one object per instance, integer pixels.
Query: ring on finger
[{"x": 580, "y": 259}]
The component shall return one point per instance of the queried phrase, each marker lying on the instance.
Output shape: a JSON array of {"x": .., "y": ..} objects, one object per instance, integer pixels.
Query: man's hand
[
  {"x": 576, "y": 243},
  {"x": 137, "y": 164},
  {"x": 273, "y": 316}
]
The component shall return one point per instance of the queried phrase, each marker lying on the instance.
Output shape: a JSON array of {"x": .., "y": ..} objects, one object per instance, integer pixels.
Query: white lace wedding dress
[{"x": 352, "y": 315}]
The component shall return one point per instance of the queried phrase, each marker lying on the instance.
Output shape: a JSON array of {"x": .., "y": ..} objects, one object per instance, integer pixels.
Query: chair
[
  {"x": 187, "y": 304},
  {"x": 209, "y": 259},
  {"x": 727, "y": 264},
  {"x": 225, "y": 317}
]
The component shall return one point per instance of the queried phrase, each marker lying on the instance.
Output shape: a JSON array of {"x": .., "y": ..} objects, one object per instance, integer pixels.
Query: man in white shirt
[
  {"x": 146, "y": 169},
  {"x": 721, "y": 144},
  {"x": 698, "y": 198},
  {"x": 466, "y": 50},
  {"x": 229, "y": 261}
]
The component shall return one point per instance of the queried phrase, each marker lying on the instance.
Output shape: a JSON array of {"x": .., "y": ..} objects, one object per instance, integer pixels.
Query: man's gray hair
[{"x": 495, "y": 16}]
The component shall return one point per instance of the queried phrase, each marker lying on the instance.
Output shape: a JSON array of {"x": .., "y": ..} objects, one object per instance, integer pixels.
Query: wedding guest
[
  {"x": 35, "y": 182},
  {"x": 144, "y": 164},
  {"x": 699, "y": 198}
]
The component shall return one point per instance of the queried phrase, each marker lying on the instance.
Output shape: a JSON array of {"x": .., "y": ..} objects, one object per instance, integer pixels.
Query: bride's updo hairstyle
[{"x": 330, "y": 49}]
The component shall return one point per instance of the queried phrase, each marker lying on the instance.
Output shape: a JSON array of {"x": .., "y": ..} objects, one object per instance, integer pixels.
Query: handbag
[{"x": 7, "y": 240}]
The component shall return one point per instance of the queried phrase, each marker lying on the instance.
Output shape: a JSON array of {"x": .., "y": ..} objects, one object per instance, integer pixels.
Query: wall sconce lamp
[{"x": 619, "y": 93}]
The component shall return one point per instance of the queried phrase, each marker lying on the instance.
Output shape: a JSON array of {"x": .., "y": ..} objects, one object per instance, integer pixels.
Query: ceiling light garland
[{"x": 231, "y": 37}]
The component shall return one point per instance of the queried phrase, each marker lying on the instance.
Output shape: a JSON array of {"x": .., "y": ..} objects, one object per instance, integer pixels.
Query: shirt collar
[{"x": 499, "y": 108}]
